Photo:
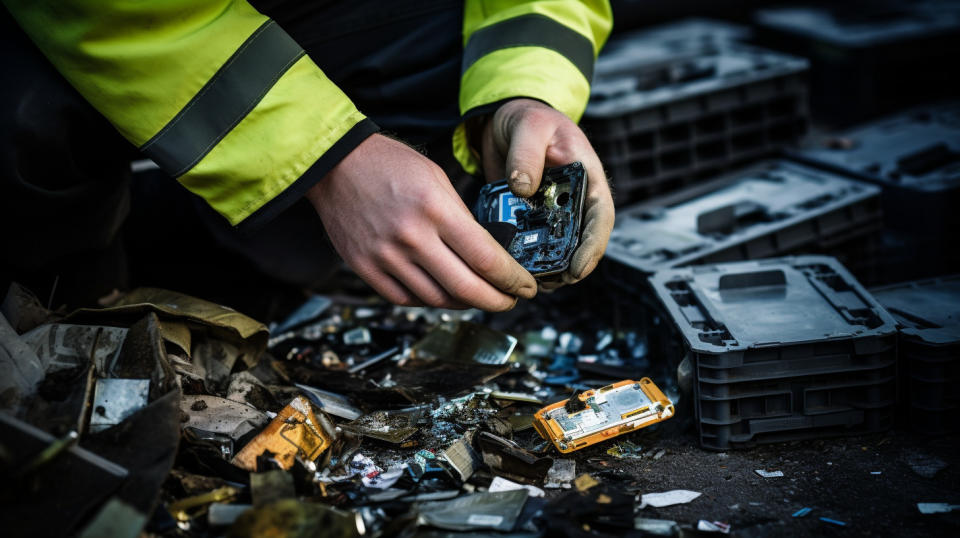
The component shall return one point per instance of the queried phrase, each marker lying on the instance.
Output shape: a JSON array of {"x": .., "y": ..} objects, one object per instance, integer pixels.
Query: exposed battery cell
[{"x": 601, "y": 414}]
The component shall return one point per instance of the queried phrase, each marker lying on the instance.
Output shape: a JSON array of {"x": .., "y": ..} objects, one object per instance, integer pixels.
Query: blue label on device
[{"x": 509, "y": 204}]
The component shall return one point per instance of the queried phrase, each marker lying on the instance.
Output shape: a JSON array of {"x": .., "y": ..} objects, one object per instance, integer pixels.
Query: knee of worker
[{"x": 63, "y": 169}]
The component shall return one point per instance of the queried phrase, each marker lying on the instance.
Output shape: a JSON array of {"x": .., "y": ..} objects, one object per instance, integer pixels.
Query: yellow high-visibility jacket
[{"x": 220, "y": 97}]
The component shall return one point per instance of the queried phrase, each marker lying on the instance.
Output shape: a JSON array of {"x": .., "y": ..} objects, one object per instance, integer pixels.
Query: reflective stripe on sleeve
[{"x": 225, "y": 100}]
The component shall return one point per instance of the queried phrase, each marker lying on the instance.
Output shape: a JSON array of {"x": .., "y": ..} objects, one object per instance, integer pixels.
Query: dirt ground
[{"x": 832, "y": 477}]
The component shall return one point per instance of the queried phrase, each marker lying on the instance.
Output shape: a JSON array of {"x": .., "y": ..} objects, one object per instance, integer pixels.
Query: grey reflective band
[
  {"x": 531, "y": 31},
  {"x": 225, "y": 100}
]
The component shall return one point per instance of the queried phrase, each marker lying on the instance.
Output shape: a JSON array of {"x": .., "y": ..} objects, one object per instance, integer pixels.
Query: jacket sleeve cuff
[{"x": 267, "y": 212}]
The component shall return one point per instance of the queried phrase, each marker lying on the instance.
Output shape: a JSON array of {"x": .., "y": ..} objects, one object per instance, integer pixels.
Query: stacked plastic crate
[
  {"x": 772, "y": 208},
  {"x": 915, "y": 157},
  {"x": 928, "y": 313},
  {"x": 683, "y": 102},
  {"x": 782, "y": 349},
  {"x": 869, "y": 57}
]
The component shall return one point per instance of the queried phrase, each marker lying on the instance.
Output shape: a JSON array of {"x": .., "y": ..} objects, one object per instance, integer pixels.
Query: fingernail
[{"x": 520, "y": 181}]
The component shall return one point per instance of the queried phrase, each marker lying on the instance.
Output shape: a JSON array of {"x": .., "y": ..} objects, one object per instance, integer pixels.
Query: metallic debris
[
  {"x": 295, "y": 433},
  {"x": 116, "y": 399},
  {"x": 492, "y": 511},
  {"x": 464, "y": 341}
]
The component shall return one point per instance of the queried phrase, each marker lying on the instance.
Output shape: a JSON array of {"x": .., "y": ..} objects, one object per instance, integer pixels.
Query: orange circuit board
[{"x": 597, "y": 415}]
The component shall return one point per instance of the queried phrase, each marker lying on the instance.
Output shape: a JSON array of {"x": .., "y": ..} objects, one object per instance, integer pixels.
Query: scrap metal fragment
[
  {"x": 220, "y": 415},
  {"x": 116, "y": 399},
  {"x": 294, "y": 433},
  {"x": 331, "y": 402},
  {"x": 463, "y": 458},
  {"x": 510, "y": 460},
  {"x": 495, "y": 511},
  {"x": 465, "y": 342}
]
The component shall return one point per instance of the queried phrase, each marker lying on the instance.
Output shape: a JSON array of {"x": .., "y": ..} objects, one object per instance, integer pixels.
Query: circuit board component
[
  {"x": 605, "y": 413},
  {"x": 540, "y": 232}
]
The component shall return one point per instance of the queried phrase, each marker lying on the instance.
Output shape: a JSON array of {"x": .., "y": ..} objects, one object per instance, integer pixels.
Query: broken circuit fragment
[
  {"x": 298, "y": 431},
  {"x": 540, "y": 232}
]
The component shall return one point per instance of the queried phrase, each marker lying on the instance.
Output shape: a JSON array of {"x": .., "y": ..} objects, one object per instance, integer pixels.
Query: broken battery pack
[
  {"x": 540, "y": 232},
  {"x": 597, "y": 415}
]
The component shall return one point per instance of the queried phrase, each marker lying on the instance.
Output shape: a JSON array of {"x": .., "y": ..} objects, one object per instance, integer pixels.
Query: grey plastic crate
[
  {"x": 928, "y": 313},
  {"x": 869, "y": 57},
  {"x": 769, "y": 209},
  {"x": 682, "y": 102},
  {"x": 782, "y": 349},
  {"x": 915, "y": 157}
]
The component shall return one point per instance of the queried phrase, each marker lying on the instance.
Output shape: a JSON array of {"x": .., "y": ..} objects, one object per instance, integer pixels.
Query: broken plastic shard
[
  {"x": 713, "y": 526},
  {"x": 510, "y": 460},
  {"x": 464, "y": 341},
  {"x": 833, "y": 521},
  {"x": 219, "y": 415},
  {"x": 937, "y": 508},
  {"x": 802, "y": 512},
  {"x": 462, "y": 458},
  {"x": 380, "y": 357},
  {"x": 668, "y": 498},
  {"x": 656, "y": 527},
  {"x": 502, "y": 484},
  {"x": 331, "y": 403},
  {"x": 310, "y": 310},
  {"x": 357, "y": 337},
  {"x": 561, "y": 474},
  {"x": 296, "y": 432},
  {"x": 116, "y": 399},
  {"x": 496, "y": 511},
  {"x": 769, "y": 474}
]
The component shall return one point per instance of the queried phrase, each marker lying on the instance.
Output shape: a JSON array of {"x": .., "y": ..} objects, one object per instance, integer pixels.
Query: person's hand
[
  {"x": 394, "y": 217},
  {"x": 525, "y": 135}
]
